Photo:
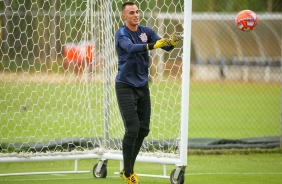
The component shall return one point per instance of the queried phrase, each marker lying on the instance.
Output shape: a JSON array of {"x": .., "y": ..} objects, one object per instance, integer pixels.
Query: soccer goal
[{"x": 57, "y": 70}]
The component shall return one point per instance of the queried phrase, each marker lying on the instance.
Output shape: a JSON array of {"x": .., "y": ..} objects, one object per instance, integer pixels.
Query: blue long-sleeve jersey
[{"x": 133, "y": 57}]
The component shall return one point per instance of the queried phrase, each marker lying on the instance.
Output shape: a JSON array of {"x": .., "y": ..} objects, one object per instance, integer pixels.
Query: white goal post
[{"x": 57, "y": 69}]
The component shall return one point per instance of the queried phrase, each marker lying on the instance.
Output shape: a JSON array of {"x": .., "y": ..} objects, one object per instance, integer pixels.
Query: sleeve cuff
[{"x": 151, "y": 46}]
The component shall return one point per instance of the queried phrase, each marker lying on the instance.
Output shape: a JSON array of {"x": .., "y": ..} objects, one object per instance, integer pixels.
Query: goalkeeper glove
[
  {"x": 175, "y": 39},
  {"x": 160, "y": 43}
]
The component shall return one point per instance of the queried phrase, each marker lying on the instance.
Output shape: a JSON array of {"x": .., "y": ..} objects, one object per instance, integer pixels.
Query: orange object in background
[
  {"x": 78, "y": 56},
  {"x": 89, "y": 54}
]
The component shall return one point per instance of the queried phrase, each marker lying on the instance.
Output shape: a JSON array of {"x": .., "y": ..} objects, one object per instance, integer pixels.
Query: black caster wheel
[
  {"x": 179, "y": 179},
  {"x": 102, "y": 173}
]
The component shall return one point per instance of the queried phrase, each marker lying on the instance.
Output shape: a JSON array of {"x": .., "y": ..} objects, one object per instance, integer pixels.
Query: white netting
[{"x": 58, "y": 64}]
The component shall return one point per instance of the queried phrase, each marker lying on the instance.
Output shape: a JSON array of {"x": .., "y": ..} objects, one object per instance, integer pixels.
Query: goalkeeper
[{"x": 132, "y": 42}]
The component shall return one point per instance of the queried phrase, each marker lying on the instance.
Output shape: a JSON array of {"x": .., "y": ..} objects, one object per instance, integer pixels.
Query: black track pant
[{"x": 135, "y": 108}]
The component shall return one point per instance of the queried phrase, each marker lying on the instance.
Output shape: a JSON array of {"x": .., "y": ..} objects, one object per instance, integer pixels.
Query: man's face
[{"x": 131, "y": 15}]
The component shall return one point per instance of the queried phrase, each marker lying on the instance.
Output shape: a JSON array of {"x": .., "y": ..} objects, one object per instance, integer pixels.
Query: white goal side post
[{"x": 57, "y": 69}]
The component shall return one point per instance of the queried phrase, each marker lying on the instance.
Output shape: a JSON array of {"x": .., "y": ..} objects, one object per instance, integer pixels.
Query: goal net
[{"x": 57, "y": 70}]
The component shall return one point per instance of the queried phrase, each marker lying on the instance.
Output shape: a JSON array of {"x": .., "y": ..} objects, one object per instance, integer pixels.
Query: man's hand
[
  {"x": 159, "y": 44},
  {"x": 175, "y": 39}
]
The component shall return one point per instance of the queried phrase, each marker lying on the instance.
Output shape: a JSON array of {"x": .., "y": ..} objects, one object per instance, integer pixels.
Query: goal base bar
[
  {"x": 105, "y": 156},
  {"x": 39, "y": 173}
]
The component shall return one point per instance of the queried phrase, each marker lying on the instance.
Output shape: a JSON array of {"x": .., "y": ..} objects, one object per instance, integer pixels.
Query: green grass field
[
  {"x": 212, "y": 169},
  {"x": 234, "y": 110},
  {"x": 217, "y": 110}
]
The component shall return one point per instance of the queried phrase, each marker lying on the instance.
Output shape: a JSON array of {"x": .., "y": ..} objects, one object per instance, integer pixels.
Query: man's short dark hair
[{"x": 126, "y": 4}]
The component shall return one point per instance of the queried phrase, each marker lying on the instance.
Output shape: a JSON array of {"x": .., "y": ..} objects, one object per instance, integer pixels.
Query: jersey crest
[{"x": 143, "y": 37}]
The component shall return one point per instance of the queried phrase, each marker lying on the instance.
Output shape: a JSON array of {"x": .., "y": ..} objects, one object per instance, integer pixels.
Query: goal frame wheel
[
  {"x": 100, "y": 169},
  {"x": 177, "y": 175}
]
